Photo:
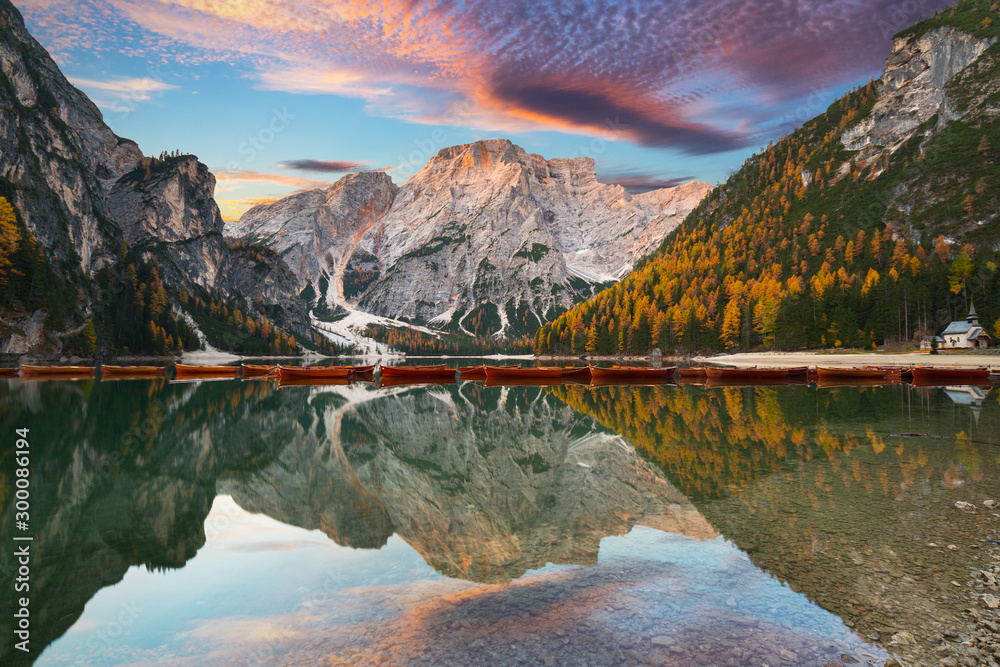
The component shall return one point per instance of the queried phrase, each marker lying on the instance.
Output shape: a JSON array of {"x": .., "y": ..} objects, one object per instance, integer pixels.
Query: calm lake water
[{"x": 235, "y": 522}]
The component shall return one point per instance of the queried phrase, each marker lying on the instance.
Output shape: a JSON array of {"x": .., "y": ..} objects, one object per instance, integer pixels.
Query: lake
[{"x": 235, "y": 522}]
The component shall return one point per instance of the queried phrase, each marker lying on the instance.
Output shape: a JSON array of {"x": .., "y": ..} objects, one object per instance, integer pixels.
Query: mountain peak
[{"x": 505, "y": 159}]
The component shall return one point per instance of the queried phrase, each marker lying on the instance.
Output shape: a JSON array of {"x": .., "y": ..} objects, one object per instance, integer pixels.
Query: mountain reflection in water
[{"x": 462, "y": 522}]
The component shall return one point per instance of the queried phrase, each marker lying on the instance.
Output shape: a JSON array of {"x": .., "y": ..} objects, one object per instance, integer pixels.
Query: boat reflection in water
[{"x": 467, "y": 524}]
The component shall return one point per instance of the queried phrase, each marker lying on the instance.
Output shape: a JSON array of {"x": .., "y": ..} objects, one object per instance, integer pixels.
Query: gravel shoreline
[
  {"x": 785, "y": 359},
  {"x": 976, "y": 640}
]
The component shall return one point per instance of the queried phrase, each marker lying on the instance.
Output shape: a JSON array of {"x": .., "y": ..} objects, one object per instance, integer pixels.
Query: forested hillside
[{"x": 811, "y": 244}]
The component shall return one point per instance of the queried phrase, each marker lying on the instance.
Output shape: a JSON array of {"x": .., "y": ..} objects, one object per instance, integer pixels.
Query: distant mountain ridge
[
  {"x": 485, "y": 239},
  {"x": 877, "y": 221}
]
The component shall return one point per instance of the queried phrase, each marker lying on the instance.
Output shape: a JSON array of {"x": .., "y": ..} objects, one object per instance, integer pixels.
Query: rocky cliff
[
  {"x": 484, "y": 232},
  {"x": 57, "y": 157},
  {"x": 914, "y": 84},
  {"x": 79, "y": 191}
]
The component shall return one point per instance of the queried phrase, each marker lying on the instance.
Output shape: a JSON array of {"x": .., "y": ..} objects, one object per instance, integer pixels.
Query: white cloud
[{"x": 122, "y": 94}]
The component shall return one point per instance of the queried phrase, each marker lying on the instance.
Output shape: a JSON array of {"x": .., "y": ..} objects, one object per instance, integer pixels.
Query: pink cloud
[{"x": 696, "y": 75}]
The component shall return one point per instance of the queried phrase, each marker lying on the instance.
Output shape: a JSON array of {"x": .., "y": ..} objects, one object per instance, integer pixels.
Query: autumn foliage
[{"x": 802, "y": 247}]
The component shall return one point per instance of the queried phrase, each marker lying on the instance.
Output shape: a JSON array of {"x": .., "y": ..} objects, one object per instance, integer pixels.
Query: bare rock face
[
  {"x": 169, "y": 207},
  {"x": 54, "y": 145},
  {"x": 913, "y": 86},
  {"x": 316, "y": 231},
  {"x": 483, "y": 228}
]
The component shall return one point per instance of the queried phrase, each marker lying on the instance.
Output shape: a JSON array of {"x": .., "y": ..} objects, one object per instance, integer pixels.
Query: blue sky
[{"x": 280, "y": 96}]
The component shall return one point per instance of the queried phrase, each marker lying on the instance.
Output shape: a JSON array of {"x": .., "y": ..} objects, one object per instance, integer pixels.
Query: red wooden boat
[
  {"x": 420, "y": 372},
  {"x": 631, "y": 373},
  {"x": 748, "y": 382},
  {"x": 413, "y": 380},
  {"x": 363, "y": 370},
  {"x": 312, "y": 382},
  {"x": 314, "y": 372},
  {"x": 949, "y": 374},
  {"x": 57, "y": 371},
  {"x": 472, "y": 371},
  {"x": 525, "y": 382},
  {"x": 576, "y": 372},
  {"x": 696, "y": 372},
  {"x": 851, "y": 373},
  {"x": 898, "y": 373},
  {"x": 193, "y": 371},
  {"x": 132, "y": 371},
  {"x": 853, "y": 382},
  {"x": 629, "y": 381},
  {"x": 502, "y": 372},
  {"x": 798, "y": 371},
  {"x": 256, "y": 371},
  {"x": 8, "y": 372},
  {"x": 746, "y": 373}
]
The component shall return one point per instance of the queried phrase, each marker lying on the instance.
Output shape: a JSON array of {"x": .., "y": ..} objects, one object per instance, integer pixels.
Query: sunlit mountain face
[
  {"x": 292, "y": 95},
  {"x": 238, "y": 521}
]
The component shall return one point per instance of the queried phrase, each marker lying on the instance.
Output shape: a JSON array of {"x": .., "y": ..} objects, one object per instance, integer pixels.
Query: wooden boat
[
  {"x": 437, "y": 371},
  {"x": 630, "y": 381},
  {"x": 631, "y": 373},
  {"x": 746, "y": 373},
  {"x": 688, "y": 373},
  {"x": 194, "y": 371},
  {"x": 847, "y": 381},
  {"x": 899, "y": 373},
  {"x": 851, "y": 373},
  {"x": 132, "y": 371},
  {"x": 58, "y": 371},
  {"x": 414, "y": 380},
  {"x": 257, "y": 371},
  {"x": 576, "y": 372},
  {"x": 312, "y": 382},
  {"x": 523, "y": 382},
  {"x": 8, "y": 372},
  {"x": 798, "y": 371},
  {"x": 502, "y": 372},
  {"x": 314, "y": 372},
  {"x": 410, "y": 370},
  {"x": 749, "y": 382},
  {"x": 363, "y": 370},
  {"x": 472, "y": 371},
  {"x": 125, "y": 377},
  {"x": 950, "y": 374}
]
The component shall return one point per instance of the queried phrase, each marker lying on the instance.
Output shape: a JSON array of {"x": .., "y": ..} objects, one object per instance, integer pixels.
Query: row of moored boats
[{"x": 526, "y": 374}]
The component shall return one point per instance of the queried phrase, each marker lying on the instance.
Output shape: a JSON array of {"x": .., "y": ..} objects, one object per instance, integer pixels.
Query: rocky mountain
[
  {"x": 484, "y": 239},
  {"x": 78, "y": 192},
  {"x": 875, "y": 222}
]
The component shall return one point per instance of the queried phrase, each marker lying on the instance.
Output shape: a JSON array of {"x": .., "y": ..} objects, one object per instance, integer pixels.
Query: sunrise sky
[{"x": 281, "y": 95}]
